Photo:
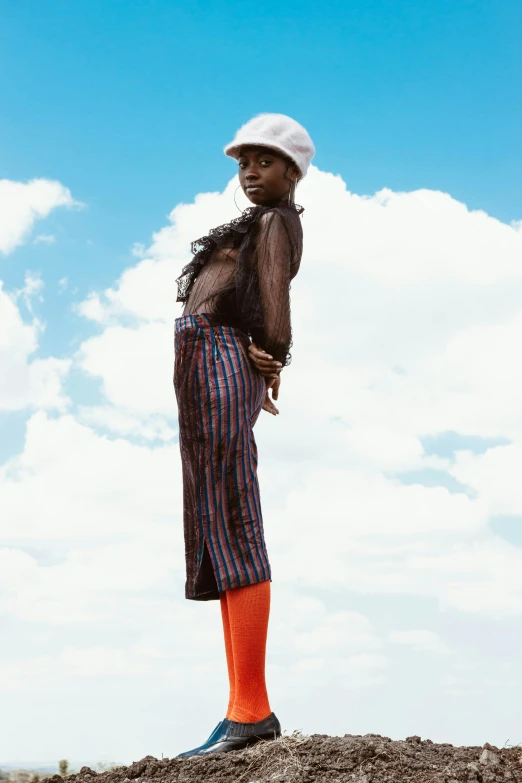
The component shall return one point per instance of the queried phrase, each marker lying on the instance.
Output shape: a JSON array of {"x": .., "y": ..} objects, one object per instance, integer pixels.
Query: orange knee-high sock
[
  {"x": 248, "y": 613},
  {"x": 229, "y": 652}
]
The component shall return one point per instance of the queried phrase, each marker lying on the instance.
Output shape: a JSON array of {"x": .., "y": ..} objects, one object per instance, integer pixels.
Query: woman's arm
[{"x": 273, "y": 258}]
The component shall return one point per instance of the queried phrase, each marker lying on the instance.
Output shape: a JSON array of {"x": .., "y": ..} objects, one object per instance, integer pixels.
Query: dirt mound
[{"x": 298, "y": 758}]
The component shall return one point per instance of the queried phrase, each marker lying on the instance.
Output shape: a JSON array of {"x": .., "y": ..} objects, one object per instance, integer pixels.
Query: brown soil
[{"x": 299, "y": 758}]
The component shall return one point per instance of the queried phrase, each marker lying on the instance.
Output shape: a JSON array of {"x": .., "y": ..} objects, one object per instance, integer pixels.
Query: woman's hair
[
  {"x": 293, "y": 182},
  {"x": 289, "y": 163}
]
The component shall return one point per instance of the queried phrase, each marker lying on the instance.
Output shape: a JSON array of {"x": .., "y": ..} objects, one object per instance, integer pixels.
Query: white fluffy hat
[{"x": 278, "y": 132}]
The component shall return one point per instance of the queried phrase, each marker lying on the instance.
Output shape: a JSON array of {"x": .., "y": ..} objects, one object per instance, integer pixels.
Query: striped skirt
[{"x": 220, "y": 396}]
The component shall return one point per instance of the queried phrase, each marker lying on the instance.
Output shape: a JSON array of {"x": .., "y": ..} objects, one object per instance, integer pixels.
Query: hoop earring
[
  {"x": 291, "y": 193},
  {"x": 235, "y": 202}
]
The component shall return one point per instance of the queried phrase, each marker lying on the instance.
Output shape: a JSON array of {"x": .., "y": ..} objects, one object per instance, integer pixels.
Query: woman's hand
[
  {"x": 268, "y": 405},
  {"x": 263, "y": 362},
  {"x": 267, "y": 366}
]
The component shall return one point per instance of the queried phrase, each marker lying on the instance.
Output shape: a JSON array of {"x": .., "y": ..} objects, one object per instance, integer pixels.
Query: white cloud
[
  {"x": 71, "y": 662},
  {"x": 340, "y": 631},
  {"x": 370, "y": 380},
  {"x": 135, "y": 365},
  {"x": 23, "y": 203},
  {"x": 353, "y": 672},
  {"x": 45, "y": 239},
  {"x": 114, "y": 418},
  {"x": 72, "y": 483},
  {"x": 494, "y": 474},
  {"x": 27, "y": 382},
  {"x": 420, "y": 640},
  {"x": 406, "y": 316}
]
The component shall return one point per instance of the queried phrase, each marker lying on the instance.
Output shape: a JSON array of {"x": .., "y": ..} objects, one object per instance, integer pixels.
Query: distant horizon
[{"x": 44, "y": 766}]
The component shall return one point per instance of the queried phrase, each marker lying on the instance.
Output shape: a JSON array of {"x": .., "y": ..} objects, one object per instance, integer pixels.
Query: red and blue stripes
[{"x": 220, "y": 396}]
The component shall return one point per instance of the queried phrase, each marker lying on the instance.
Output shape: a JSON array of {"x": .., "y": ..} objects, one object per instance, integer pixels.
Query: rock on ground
[{"x": 298, "y": 758}]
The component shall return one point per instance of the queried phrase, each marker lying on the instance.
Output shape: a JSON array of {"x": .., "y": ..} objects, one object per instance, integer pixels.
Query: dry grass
[{"x": 274, "y": 760}]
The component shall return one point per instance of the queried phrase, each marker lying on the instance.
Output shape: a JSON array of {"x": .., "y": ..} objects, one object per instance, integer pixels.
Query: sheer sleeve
[{"x": 274, "y": 254}]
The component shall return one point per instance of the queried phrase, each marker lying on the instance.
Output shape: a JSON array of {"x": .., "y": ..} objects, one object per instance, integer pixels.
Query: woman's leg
[
  {"x": 229, "y": 652},
  {"x": 248, "y": 613}
]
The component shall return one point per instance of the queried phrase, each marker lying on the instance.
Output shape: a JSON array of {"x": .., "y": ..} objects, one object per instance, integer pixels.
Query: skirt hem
[{"x": 213, "y": 595}]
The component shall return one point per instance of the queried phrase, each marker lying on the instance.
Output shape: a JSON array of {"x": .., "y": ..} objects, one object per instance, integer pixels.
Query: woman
[{"x": 231, "y": 343}]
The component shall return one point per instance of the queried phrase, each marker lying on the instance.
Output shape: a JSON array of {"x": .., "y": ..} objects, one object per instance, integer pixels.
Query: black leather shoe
[
  {"x": 239, "y": 735},
  {"x": 218, "y": 733}
]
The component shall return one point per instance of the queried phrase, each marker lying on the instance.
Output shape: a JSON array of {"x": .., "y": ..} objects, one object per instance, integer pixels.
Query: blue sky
[
  {"x": 408, "y": 446},
  {"x": 131, "y": 102}
]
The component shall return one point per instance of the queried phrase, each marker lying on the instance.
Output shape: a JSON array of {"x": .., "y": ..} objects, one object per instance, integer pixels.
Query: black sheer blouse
[{"x": 241, "y": 273}]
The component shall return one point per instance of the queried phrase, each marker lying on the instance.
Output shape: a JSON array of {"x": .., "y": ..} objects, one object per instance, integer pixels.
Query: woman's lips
[{"x": 253, "y": 188}]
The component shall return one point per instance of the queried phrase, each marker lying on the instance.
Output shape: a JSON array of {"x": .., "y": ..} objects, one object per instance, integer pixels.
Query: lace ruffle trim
[{"x": 220, "y": 236}]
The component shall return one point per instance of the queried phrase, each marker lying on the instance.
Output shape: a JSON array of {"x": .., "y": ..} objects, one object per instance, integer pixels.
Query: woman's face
[{"x": 264, "y": 175}]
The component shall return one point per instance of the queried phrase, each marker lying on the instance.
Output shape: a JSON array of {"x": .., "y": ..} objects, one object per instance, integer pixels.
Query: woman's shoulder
[
  {"x": 252, "y": 216},
  {"x": 284, "y": 209},
  {"x": 281, "y": 225},
  {"x": 280, "y": 215},
  {"x": 284, "y": 220}
]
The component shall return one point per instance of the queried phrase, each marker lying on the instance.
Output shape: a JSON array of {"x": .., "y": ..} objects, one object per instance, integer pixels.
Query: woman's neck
[{"x": 276, "y": 202}]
